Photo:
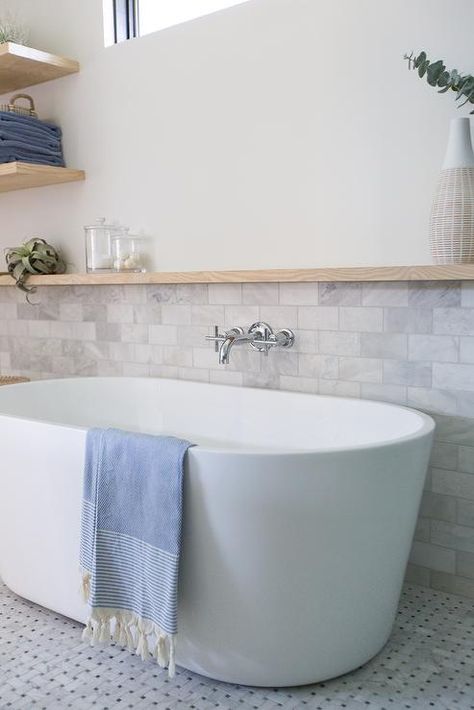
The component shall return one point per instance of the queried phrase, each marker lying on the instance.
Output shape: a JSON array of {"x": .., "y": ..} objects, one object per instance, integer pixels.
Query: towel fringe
[
  {"x": 130, "y": 631},
  {"x": 171, "y": 663},
  {"x": 85, "y": 585}
]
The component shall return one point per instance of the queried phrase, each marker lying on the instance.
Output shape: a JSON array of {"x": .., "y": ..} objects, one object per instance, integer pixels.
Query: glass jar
[
  {"x": 99, "y": 257},
  {"x": 129, "y": 252}
]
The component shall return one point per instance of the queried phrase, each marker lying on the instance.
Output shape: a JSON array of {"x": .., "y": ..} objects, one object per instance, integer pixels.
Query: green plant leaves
[
  {"x": 437, "y": 75},
  {"x": 35, "y": 256},
  {"x": 434, "y": 71}
]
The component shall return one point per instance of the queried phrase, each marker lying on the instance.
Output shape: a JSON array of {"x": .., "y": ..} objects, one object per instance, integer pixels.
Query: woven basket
[
  {"x": 9, "y": 380},
  {"x": 13, "y": 107}
]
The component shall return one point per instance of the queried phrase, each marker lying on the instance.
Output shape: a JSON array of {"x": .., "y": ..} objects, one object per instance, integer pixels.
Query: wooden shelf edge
[
  {"x": 461, "y": 272},
  {"x": 22, "y": 66},
  {"x": 21, "y": 176},
  {"x": 71, "y": 66}
]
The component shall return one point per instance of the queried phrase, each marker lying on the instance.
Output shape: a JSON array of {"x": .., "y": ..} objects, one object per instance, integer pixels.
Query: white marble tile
[
  {"x": 465, "y": 512},
  {"x": 361, "y": 319},
  {"x": 207, "y": 315},
  {"x": 467, "y": 294},
  {"x": 437, "y": 348},
  {"x": 432, "y": 400},
  {"x": 318, "y": 317},
  {"x": 206, "y": 357},
  {"x": 361, "y": 369},
  {"x": 466, "y": 459},
  {"x": 280, "y": 316},
  {"x": 458, "y": 537},
  {"x": 163, "y": 334},
  {"x": 408, "y": 320},
  {"x": 225, "y": 294},
  {"x": 453, "y": 483},
  {"x": 241, "y": 316},
  {"x": 339, "y": 388},
  {"x": 263, "y": 294},
  {"x": 434, "y": 293},
  {"x": 120, "y": 313},
  {"x": 224, "y": 376},
  {"x": 340, "y": 294},
  {"x": 134, "y": 332},
  {"x": 401, "y": 372},
  {"x": 176, "y": 355},
  {"x": 453, "y": 321},
  {"x": 465, "y": 564},
  {"x": 323, "y": 366},
  {"x": 432, "y": 556},
  {"x": 385, "y": 294},
  {"x": 384, "y": 345},
  {"x": 298, "y": 294},
  {"x": 466, "y": 349},
  {"x": 439, "y": 507},
  {"x": 172, "y": 314},
  {"x": 383, "y": 392},
  {"x": 194, "y": 374},
  {"x": 299, "y": 384},
  {"x": 339, "y": 343},
  {"x": 456, "y": 377}
]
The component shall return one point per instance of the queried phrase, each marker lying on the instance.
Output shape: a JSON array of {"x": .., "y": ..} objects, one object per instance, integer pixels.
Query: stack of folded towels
[{"x": 29, "y": 140}]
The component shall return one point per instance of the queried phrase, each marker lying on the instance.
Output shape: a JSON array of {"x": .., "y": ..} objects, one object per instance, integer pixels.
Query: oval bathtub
[{"x": 299, "y": 515}]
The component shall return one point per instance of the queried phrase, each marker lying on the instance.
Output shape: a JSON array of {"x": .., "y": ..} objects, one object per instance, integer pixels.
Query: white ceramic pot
[{"x": 452, "y": 215}]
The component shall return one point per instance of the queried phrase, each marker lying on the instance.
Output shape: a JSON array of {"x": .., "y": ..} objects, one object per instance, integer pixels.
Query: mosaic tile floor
[{"x": 428, "y": 663}]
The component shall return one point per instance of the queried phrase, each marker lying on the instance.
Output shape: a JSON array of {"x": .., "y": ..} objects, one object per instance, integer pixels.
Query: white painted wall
[{"x": 278, "y": 133}]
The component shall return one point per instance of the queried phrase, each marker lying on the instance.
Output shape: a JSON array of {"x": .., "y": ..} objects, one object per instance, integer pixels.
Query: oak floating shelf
[
  {"x": 20, "y": 176},
  {"x": 456, "y": 272},
  {"x": 24, "y": 66}
]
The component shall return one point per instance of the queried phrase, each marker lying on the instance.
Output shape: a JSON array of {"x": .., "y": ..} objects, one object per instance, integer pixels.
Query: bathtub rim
[{"x": 427, "y": 427}]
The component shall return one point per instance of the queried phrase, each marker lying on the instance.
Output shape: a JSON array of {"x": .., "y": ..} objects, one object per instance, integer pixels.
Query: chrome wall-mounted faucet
[{"x": 260, "y": 336}]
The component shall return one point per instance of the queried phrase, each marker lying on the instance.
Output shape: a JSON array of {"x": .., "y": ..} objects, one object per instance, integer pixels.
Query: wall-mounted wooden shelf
[
  {"x": 24, "y": 66},
  {"x": 19, "y": 176},
  {"x": 461, "y": 272}
]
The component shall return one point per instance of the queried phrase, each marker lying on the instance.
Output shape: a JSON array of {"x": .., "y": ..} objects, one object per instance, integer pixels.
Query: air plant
[
  {"x": 35, "y": 256},
  {"x": 437, "y": 75},
  {"x": 12, "y": 29}
]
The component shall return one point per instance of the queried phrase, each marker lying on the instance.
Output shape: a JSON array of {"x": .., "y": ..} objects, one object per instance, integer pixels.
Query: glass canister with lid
[
  {"x": 99, "y": 256},
  {"x": 129, "y": 251}
]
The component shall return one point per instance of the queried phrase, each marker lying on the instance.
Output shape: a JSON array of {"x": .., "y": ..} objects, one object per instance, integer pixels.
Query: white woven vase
[{"x": 452, "y": 215}]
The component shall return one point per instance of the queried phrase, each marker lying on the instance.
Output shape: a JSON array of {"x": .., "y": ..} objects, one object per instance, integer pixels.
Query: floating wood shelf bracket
[
  {"x": 461, "y": 272},
  {"x": 24, "y": 66},
  {"x": 19, "y": 176}
]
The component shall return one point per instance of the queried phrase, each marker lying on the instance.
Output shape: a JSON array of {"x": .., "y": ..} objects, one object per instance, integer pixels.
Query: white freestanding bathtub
[{"x": 299, "y": 515}]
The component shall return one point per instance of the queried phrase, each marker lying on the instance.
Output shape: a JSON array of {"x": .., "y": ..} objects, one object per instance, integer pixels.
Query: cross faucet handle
[
  {"x": 217, "y": 338},
  {"x": 221, "y": 337}
]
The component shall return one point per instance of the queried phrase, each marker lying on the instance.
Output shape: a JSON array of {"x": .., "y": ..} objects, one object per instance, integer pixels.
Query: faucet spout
[{"x": 233, "y": 337}]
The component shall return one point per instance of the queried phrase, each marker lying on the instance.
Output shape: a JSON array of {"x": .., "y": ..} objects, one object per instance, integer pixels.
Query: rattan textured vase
[{"x": 452, "y": 215}]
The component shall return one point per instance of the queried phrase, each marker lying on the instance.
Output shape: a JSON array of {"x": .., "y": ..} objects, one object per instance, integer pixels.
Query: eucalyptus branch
[{"x": 437, "y": 75}]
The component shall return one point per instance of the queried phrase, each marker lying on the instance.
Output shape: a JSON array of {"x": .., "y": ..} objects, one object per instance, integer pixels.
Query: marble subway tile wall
[{"x": 410, "y": 343}]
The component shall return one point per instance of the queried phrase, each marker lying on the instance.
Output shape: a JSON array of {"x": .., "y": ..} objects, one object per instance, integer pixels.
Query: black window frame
[{"x": 125, "y": 20}]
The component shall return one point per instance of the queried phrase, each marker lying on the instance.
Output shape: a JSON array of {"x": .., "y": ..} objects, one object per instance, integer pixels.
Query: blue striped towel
[{"x": 131, "y": 540}]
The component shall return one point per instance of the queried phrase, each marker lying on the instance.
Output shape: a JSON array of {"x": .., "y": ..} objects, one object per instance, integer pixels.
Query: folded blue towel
[
  {"x": 13, "y": 156},
  {"x": 31, "y": 137},
  {"x": 12, "y": 146},
  {"x": 14, "y": 119},
  {"x": 131, "y": 539}
]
